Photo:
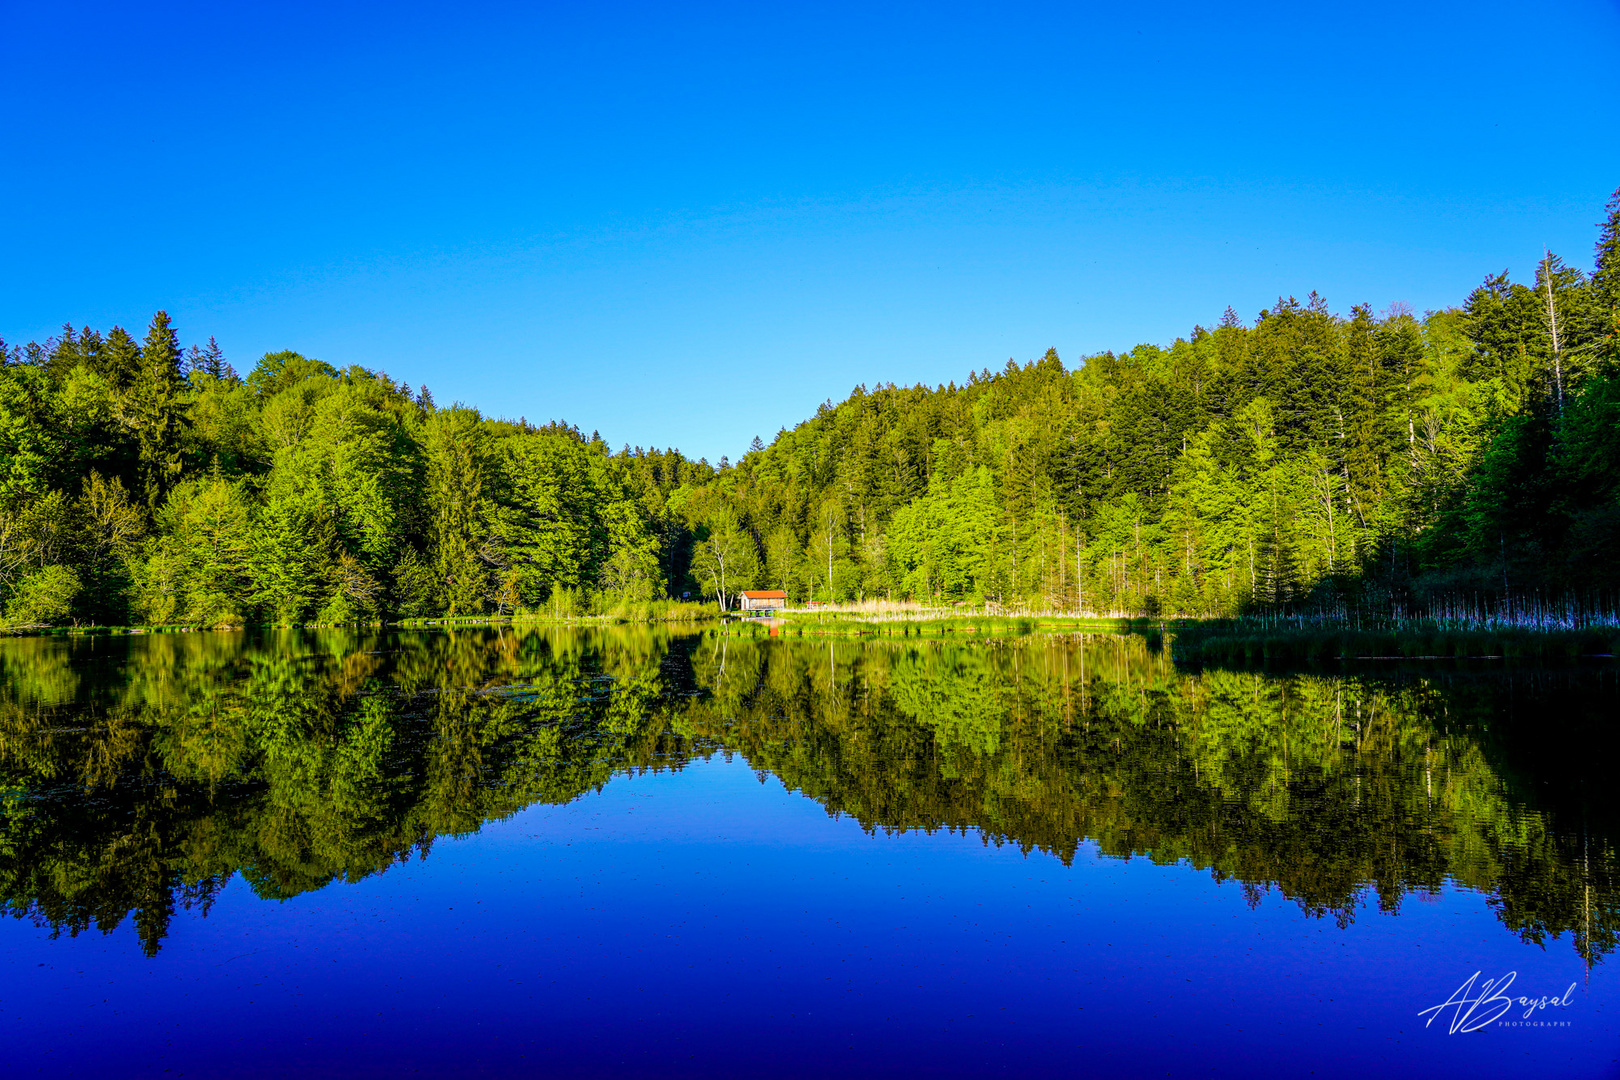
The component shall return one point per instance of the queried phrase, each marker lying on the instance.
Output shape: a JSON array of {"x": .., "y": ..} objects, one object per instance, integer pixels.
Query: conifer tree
[
  {"x": 67, "y": 353},
  {"x": 210, "y": 360},
  {"x": 156, "y": 410},
  {"x": 1606, "y": 273},
  {"x": 1363, "y": 411},
  {"x": 120, "y": 359}
]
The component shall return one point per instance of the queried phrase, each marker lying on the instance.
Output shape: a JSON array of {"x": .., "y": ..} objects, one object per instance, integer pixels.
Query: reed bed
[{"x": 1528, "y": 628}]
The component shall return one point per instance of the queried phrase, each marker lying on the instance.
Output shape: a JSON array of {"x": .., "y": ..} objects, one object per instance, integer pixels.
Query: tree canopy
[{"x": 1298, "y": 457}]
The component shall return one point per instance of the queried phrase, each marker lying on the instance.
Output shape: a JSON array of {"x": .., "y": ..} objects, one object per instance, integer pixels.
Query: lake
[{"x": 589, "y": 852}]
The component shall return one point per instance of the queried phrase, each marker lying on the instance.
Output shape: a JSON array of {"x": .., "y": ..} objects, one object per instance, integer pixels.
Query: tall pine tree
[
  {"x": 1606, "y": 274},
  {"x": 119, "y": 360},
  {"x": 156, "y": 410}
]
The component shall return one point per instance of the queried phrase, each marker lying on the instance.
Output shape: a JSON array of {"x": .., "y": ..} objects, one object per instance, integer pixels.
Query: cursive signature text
[{"x": 1475, "y": 1010}]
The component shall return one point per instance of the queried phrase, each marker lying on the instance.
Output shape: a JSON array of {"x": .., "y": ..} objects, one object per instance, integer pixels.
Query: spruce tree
[
  {"x": 1606, "y": 272},
  {"x": 157, "y": 412},
  {"x": 90, "y": 346},
  {"x": 1363, "y": 411},
  {"x": 66, "y": 354},
  {"x": 120, "y": 359},
  {"x": 210, "y": 361}
]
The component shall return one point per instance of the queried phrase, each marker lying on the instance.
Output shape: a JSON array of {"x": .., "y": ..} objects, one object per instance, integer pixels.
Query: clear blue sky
[{"x": 689, "y": 225}]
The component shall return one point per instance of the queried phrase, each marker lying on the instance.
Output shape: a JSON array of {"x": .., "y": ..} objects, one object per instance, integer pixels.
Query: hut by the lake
[{"x": 762, "y": 600}]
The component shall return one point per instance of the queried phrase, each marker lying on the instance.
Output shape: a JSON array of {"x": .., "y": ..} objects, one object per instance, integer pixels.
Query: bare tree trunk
[
  {"x": 829, "y": 518},
  {"x": 1063, "y": 557},
  {"x": 1552, "y": 330},
  {"x": 1079, "y": 570},
  {"x": 1015, "y": 560},
  {"x": 1325, "y": 494}
]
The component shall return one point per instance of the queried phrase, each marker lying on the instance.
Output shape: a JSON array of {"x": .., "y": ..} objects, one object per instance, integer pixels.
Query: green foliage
[
  {"x": 279, "y": 371},
  {"x": 198, "y": 565},
  {"x": 943, "y": 546},
  {"x": 304, "y": 494},
  {"x": 155, "y": 412},
  {"x": 1304, "y": 461},
  {"x": 724, "y": 558},
  {"x": 414, "y": 592},
  {"x": 291, "y": 547},
  {"x": 30, "y": 441},
  {"x": 43, "y": 597}
]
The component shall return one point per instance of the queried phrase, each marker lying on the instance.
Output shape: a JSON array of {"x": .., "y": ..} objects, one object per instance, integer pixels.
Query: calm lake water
[{"x": 589, "y": 853}]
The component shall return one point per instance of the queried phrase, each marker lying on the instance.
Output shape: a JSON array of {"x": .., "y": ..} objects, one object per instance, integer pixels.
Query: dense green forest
[
  {"x": 1306, "y": 458},
  {"x": 1393, "y": 459},
  {"x": 144, "y": 484}
]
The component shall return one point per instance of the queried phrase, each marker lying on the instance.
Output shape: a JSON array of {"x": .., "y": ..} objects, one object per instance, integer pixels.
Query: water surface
[{"x": 631, "y": 853}]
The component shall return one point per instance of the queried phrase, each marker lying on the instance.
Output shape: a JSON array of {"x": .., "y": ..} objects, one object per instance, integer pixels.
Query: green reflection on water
[{"x": 138, "y": 776}]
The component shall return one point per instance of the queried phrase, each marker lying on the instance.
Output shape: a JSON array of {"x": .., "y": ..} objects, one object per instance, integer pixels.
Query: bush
[
  {"x": 414, "y": 588},
  {"x": 43, "y": 597}
]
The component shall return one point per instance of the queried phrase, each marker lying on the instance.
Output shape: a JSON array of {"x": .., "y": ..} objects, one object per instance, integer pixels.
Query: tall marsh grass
[
  {"x": 1526, "y": 627},
  {"x": 571, "y": 604}
]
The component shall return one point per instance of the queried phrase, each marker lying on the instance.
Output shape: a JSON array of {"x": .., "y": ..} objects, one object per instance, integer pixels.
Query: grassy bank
[
  {"x": 1246, "y": 641},
  {"x": 855, "y": 624},
  {"x": 87, "y": 630},
  {"x": 657, "y": 611}
]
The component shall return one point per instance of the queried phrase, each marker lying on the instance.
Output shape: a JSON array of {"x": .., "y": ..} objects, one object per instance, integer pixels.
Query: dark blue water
[{"x": 688, "y": 913}]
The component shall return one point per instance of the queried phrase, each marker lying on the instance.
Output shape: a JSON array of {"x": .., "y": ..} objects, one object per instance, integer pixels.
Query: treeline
[
  {"x": 1303, "y": 457},
  {"x": 1306, "y": 458},
  {"x": 144, "y": 484}
]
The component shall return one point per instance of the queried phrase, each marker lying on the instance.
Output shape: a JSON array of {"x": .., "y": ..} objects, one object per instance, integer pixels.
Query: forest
[{"x": 1303, "y": 459}]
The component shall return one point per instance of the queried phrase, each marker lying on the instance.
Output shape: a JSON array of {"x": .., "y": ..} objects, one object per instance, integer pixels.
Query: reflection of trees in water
[
  {"x": 1335, "y": 791},
  {"x": 295, "y": 759},
  {"x": 139, "y": 778}
]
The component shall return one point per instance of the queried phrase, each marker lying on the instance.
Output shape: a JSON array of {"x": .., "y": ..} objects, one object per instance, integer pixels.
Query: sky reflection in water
[{"x": 656, "y": 855}]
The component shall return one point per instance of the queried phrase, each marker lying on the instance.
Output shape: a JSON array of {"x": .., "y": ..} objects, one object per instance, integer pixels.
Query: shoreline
[{"x": 1220, "y": 642}]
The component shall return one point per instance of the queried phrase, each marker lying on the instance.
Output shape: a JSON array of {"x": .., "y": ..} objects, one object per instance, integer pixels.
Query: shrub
[{"x": 43, "y": 597}]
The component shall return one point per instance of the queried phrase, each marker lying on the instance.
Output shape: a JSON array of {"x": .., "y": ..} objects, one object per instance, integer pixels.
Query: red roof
[{"x": 765, "y": 594}]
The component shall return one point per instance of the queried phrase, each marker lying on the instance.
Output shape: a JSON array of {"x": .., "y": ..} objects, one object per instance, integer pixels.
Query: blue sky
[{"x": 690, "y": 225}]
